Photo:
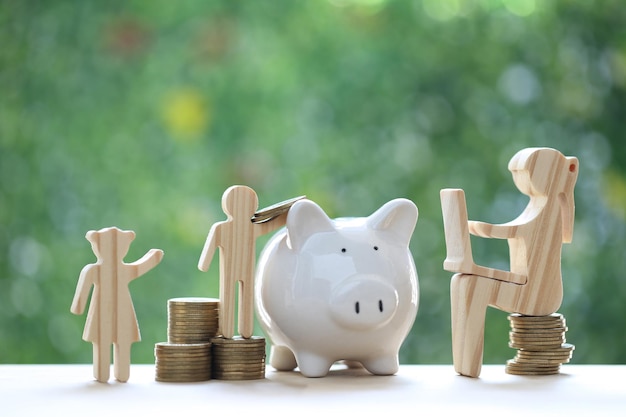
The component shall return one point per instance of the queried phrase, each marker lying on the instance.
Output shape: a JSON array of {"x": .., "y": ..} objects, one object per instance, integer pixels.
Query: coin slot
[{"x": 357, "y": 307}]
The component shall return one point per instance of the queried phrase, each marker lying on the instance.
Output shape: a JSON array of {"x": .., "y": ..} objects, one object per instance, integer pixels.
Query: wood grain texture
[
  {"x": 236, "y": 239},
  {"x": 111, "y": 319},
  {"x": 533, "y": 286}
]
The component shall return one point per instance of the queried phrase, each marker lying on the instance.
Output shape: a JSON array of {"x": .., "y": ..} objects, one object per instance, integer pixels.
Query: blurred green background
[{"x": 139, "y": 114}]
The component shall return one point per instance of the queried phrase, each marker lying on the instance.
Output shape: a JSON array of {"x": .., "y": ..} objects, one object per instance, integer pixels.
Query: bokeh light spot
[
  {"x": 127, "y": 37},
  {"x": 64, "y": 334},
  {"x": 617, "y": 63},
  {"x": 371, "y": 5},
  {"x": 442, "y": 10},
  {"x": 519, "y": 84},
  {"x": 26, "y": 297},
  {"x": 186, "y": 114},
  {"x": 615, "y": 193},
  {"x": 520, "y": 8},
  {"x": 26, "y": 255}
]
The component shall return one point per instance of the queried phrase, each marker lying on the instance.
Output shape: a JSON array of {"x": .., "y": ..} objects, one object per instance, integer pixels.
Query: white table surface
[{"x": 421, "y": 390}]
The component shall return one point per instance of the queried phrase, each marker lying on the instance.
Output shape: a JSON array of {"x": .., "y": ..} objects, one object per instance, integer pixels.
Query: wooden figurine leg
[
  {"x": 246, "y": 310},
  {"x": 101, "y": 362},
  {"x": 227, "y": 312},
  {"x": 121, "y": 362},
  {"x": 470, "y": 296}
]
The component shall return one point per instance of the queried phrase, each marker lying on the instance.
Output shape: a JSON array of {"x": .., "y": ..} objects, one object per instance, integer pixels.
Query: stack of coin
[
  {"x": 540, "y": 344},
  {"x": 238, "y": 358},
  {"x": 183, "y": 362},
  {"x": 269, "y": 213},
  {"x": 186, "y": 356},
  {"x": 192, "y": 320}
]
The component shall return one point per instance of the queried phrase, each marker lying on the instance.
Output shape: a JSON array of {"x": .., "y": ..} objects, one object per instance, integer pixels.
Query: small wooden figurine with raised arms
[
  {"x": 236, "y": 239},
  {"x": 533, "y": 286},
  {"x": 111, "y": 318}
]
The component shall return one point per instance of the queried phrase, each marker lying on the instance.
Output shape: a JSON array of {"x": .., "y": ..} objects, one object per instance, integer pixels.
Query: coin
[
  {"x": 243, "y": 367},
  {"x": 192, "y": 311},
  {"x": 180, "y": 346},
  {"x": 539, "y": 361},
  {"x": 239, "y": 354},
  {"x": 525, "y": 318},
  {"x": 269, "y": 213},
  {"x": 236, "y": 348},
  {"x": 183, "y": 377},
  {"x": 238, "y": 377},
  {"x": 538, "y": 331},
  {"x": 238, "y": 360},
  {"x": 532, "y": 371},
  {"x": 537, "y": 336},
  {"x": 238, "y": 340},
  {"x": 188, "y": 300},
  {"x": 183, "y": 365},
  {"x": 164, "y": 356}
]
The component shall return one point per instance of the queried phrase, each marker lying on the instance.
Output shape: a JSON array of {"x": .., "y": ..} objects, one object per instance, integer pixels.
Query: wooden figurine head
[
  {"x": 239, "y": 200},
  {"x": 545, "y": 173},
  {"x": 111, "y": 237}
]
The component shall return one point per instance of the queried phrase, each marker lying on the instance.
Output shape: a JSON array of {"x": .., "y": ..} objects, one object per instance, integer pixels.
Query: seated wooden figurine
[{"x": 533, "y": 286}]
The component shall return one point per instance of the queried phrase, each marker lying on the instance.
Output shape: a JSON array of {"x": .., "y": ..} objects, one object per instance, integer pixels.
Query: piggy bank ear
[
  {"x": 398, "y": 216},
  {"x": 306, "y": 218}
]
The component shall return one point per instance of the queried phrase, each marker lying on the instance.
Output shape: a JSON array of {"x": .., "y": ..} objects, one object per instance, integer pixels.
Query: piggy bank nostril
[{"x": 357, "y": 307}]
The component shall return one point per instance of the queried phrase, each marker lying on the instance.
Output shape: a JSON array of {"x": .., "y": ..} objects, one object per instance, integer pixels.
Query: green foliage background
[{"x": 139, "y": 114}]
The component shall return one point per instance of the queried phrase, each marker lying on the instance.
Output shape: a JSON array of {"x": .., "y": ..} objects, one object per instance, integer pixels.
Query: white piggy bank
[{"x": 343, "y": 289}]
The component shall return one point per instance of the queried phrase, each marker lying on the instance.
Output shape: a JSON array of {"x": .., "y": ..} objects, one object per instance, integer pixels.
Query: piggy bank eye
[
  {"x": 375, "y": 247},
  {"x": 343, "y": 250}
]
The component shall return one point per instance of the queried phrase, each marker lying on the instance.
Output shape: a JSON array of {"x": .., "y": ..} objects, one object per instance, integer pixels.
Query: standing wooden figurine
[
  {"x": 111, "y": 318},
  {"x": 533, "y": 286},
  {"x": 236, "y": 239}
]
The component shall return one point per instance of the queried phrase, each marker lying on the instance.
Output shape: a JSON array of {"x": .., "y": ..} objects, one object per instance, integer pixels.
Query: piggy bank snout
[{"x": 363, "y": 304}]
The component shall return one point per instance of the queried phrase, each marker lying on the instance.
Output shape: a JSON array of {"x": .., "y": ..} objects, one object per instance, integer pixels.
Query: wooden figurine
[
  {"x": 236, "y": 240},
  {"x": 111, "y": 318},
  {"x": 533, "y": 286}
]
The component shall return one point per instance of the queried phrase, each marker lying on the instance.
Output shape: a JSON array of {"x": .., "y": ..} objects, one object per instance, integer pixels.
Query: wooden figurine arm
[
  {"x": 496, "y": 231},
  {"x": 271, "y": 225},
  {"x": 209, "y": 248},
  {"x": 147, "y": 262},
  {"x": 85, "y": 281}
]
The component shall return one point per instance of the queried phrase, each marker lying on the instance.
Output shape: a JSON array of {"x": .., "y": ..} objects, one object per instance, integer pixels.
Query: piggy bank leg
[
  {"x": 282, "y": 358},
  {"x": 382, "y": 365},
  {"x": 312, "y": 365}
]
